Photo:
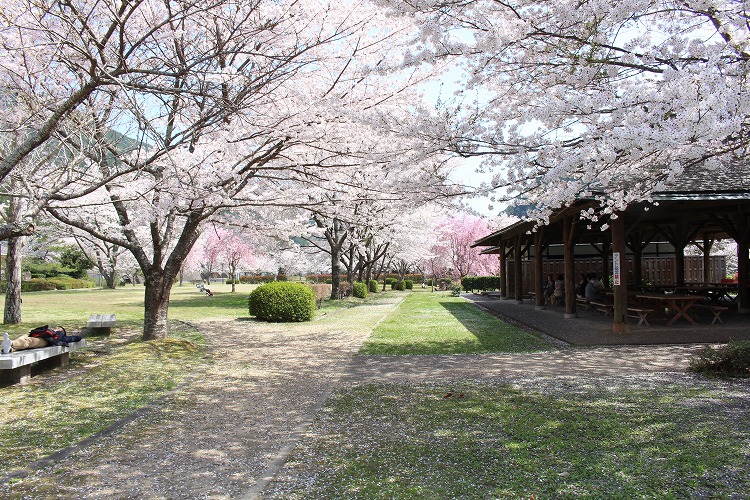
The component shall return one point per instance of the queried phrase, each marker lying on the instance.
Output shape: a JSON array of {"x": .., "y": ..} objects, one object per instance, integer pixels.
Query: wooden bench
[
  {"x": 716, "y": 310},
  {"x": 16, "y": 367},
  {"x": 101, "y": 324},
  {"x": 584, "y": 303},
  {"x": 640, "y": 313},
  {"x": 602, "y": 307}
]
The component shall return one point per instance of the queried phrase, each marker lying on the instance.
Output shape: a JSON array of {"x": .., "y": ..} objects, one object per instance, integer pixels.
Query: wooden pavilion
[{"x": 700, "y": 208}]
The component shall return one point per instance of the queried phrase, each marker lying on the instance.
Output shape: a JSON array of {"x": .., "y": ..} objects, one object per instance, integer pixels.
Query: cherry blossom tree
[
  {"x": 234, "y": 252},
  {"x": 458, "y": 232},
  {"x": 594, "y": 97},
  {"x": 274, "y": 104}
]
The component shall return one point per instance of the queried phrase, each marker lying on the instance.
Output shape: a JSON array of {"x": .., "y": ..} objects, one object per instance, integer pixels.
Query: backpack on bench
[{"x": 53, "y": 337}]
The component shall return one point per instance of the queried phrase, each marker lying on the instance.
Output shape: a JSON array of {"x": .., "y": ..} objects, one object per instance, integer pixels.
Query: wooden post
[
  {"x": 503, "y": 271},
  {"x": 619, "y": 262},
  {"x": 708, "y": 243},
  {"x": 538, "y": 270},
  {"x": 569, "y": 267},
  {"x": 743, "y": 264},
  {"x": 517, "y": 278}
]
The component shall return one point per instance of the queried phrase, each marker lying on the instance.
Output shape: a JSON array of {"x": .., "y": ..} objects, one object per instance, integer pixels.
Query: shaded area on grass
[
  {"x": 435, "y": 323},
  {"x": 562, "y": 440},
  {"x": 104, "y": 382}
]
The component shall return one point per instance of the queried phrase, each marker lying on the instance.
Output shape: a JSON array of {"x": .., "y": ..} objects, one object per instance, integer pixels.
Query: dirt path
[
  {"x": 217, "y": 435},
  {"x": 225, "y": 432}
]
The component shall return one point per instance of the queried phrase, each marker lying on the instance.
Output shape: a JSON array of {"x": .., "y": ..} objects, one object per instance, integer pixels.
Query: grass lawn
[
  {"x": 105, "y": 382},
  {"x": 116, "y": 375},
  {"x": 557, "y": 439},
  {"x": 112, "y": 377},
  {"x": 71, "y": 308},
  {"x": 436, "y": 323}
]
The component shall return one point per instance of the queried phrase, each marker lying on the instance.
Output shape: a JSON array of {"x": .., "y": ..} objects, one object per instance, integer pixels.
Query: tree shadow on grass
[{"x": 492, "y": 334}]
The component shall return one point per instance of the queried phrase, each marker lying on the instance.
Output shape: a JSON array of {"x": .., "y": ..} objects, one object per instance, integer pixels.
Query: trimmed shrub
[
  {"x": 64, "y": 282},
  {"x": 321, "y": 291},
  {"x": 397, "y": 285},
  {"x": 373, "y": 286},
  {"x": 456, "y": 291},
  {"x": 253, "y": 279},
  {"x": 359, "y": 290},
  {"x": 282, "y": 302},
  {"x": 409, "y": 284},
  {"x": 731, "y": 360},
  {"x": 483, "y": 283},
  {"x": 390, "y": 281},
  {"x": 318, "y": 278}
]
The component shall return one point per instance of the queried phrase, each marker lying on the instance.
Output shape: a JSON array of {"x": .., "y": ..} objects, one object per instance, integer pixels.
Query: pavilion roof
[{"x": 699, "y": 197}]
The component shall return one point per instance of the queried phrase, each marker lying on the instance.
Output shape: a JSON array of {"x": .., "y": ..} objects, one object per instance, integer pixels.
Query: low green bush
[
  {"x": 397, "y": 285},
  {"x": 731, "y": 360},
  {"x": 455, "y": 291},
  {"x": 409, "y": 284},
  {"x": 359, "y": 290},
  {"x": 282, "y": 301},
  {"x": 61, "y": 282},
  {"x": 35, "y": 285},
  {"x": 390, "y": 281},
  {"x": 483, "y": 283},
  {"x": 373, "y": 286}
]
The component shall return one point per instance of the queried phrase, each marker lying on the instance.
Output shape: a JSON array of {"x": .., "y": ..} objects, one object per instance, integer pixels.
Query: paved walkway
[{"x": 226, "y": 433}]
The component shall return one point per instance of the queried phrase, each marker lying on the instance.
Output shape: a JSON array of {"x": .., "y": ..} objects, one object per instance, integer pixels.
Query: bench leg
[
  {"x": 54, "y": 362},
  {"x": 20, "y": 375},
  {"x": 642, "y": 319},
  {"x": 716, "y": 317}
]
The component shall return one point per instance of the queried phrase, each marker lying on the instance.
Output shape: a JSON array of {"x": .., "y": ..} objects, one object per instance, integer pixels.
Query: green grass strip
[
  {"x": 403, "y": 441},
  {"x": 436, "y": 323}
]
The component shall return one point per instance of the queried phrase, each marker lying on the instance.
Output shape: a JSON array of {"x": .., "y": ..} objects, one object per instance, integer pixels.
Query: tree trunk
[
  {"x": 158, "y": 288},
  {"x": 107, "y": 273},
  {"x": 335, "y": 271},
  {"x": 12, "y": 314}
]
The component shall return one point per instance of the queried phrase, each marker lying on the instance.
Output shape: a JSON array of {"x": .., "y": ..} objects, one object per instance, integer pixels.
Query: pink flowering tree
[
  {"x": 458, "y": 233},
  {"x": 235, "y": 253}
]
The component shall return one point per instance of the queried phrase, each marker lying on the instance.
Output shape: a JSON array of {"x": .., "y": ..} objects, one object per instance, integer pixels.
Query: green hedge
[
  {"x": 397, "y": 285},
  {"x": 373, "y": 286},
  {"x": 282, "y": 301},
  {"x": 61, "y": 282},
  {"x": 359, "y": 290},
  {"x": 409, "y": 284},
  {"x": 483, "y": 283}
]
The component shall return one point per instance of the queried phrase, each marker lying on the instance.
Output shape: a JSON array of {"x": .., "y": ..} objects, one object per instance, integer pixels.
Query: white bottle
[{"x": 7, "y": 344}]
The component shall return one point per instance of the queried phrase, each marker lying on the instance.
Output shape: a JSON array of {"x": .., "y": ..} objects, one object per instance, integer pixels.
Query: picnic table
[{"x": 680, "y": 304}]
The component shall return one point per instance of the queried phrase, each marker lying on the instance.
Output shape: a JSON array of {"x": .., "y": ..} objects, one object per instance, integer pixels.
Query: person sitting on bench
[{"x": 594, "y": 289}]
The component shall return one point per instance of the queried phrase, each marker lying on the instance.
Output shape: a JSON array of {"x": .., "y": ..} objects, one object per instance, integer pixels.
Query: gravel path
[{"x": 226, "y": 432}]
